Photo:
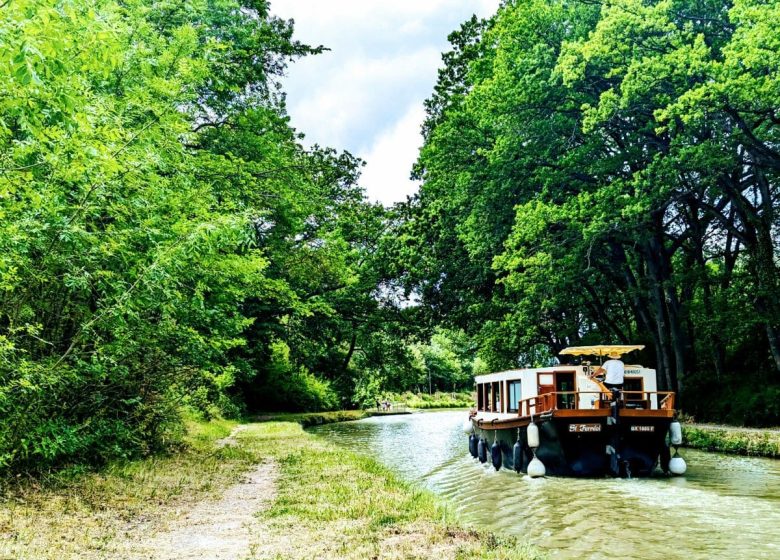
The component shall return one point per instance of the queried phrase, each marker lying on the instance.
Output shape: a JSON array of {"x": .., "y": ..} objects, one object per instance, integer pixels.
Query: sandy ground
[
  {"x": 220, "y": 529},
  {"x": 231, "y": 439}
]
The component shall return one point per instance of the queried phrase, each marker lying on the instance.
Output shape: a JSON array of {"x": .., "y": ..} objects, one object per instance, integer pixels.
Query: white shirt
[{"x": 615, "y": 370}]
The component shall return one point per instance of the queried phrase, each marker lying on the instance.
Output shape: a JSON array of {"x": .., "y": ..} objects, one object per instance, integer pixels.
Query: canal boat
[{"x": 564, "y": 421}]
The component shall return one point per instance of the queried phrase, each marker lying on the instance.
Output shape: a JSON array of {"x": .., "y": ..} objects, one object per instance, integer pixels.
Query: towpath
[{"x": 216, "y": 529}]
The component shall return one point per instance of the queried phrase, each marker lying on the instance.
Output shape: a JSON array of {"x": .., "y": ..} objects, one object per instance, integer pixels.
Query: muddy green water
[{"x": 724, "y": 507}]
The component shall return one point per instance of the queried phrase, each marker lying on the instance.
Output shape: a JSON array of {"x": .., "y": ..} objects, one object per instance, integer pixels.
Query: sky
[{"x": 366, "y": 94}]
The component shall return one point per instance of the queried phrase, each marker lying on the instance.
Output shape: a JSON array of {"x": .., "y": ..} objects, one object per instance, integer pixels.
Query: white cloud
[
  {"x": 390, "y": 160},
  {"x": 365, "y": 95},
  {"x": 346, "y": 107},
  {"x": 336, "y": 12}
]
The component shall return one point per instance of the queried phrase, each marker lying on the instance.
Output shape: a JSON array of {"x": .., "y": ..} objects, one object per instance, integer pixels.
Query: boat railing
[{"x": 572, "y": 400}]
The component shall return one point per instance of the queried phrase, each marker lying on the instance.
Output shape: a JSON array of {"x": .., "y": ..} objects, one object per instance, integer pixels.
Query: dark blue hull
[{"x": 585, "y": 446}]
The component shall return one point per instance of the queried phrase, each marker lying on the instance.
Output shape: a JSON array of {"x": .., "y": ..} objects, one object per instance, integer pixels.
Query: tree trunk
[
  {"x": 646, "y": 318},
  {"x": 757, "y": 239},
  {"x": 351, "y": 351},
  {"x": 661, "y": 312}
]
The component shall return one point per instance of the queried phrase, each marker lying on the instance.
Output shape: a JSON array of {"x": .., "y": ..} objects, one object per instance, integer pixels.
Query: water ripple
[{"x": 725, "y": 506}]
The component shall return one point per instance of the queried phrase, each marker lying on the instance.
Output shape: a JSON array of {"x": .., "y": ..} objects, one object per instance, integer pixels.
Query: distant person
[{"x": 615, "y": 371}]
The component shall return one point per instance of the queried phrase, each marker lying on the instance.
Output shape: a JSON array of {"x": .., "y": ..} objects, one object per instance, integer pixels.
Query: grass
[
  {"x": 346, "y": 505},
  {"x": 740, "y": 441},
  {"x": 330, "y": 502},
  {"x": 307, "y": 419},
  {"x": 77, "y": 514}
]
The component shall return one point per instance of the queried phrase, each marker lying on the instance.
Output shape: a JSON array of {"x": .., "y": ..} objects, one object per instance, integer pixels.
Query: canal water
[{"x": 724, "y": 507}]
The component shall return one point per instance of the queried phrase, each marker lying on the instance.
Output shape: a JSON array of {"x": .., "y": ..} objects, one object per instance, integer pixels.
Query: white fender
[
  {"x": 675, "y": 433},
  {"x": 533, "y": 435},
  {"x": 677, "y": 465},
  {"x": 536, "y": 468},
  {"x": 468, "y": 427}
]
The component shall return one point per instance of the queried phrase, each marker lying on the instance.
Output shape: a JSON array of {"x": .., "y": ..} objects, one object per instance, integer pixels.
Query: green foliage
[
  {"x": 591, "y": 173},
  {"x": 748, "y": 405},
  {"x": 444, "y": 362},
  {"x": 606, "y": 172},
  {"x": 159, "y": 225},
  {"x": 435, "y": 400},
  {"x": 295, "y": 388}
]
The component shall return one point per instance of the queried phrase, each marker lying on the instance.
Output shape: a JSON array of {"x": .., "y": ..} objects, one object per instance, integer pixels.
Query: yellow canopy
[{"x": 600, "y": 350}]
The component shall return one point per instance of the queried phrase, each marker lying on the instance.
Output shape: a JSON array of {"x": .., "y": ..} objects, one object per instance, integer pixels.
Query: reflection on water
[{"x": 724, "y": 507}]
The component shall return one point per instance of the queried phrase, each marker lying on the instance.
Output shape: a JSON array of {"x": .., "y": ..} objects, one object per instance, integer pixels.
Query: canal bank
[
  {"x": 758, "y": 442},
  {"x": 333, "y": 502},
  {"x": 255, "y": 491}
]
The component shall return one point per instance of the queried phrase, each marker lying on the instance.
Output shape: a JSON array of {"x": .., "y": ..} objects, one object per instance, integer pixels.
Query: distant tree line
[{"x": 609, "y": 171}]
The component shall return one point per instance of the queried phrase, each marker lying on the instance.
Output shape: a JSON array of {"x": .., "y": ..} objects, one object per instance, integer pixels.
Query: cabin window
[
  {"x": 633, "y": 384},
  {"x": 564, "y": 383},
  {"x": 495, "y": 401},
  {"x": 546, "y": 379},
  {"x": 480, "y": 400},
  {"x": 514, "y": 395}
]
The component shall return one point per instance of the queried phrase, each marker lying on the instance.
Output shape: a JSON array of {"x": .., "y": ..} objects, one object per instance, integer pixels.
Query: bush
[
  {"x": 57, "y": 415},
  {"x": 741, "y": 442},
  {"x": 294, "y": 387}
]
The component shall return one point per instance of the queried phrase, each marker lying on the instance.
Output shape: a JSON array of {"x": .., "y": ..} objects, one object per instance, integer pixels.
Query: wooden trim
[
  {"x": 503, "y": 424},
  {"x": 539, "y": 383},
  {"x": 581, "y": 413},
  {"x": 644, "y": 413}
]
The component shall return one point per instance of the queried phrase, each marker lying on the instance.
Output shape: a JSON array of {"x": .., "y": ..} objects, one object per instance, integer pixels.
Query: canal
[{"x": 724, "y": 507}]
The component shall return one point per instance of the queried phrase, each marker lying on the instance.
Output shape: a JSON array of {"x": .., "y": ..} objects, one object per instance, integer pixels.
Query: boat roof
[
  {"x": 601, "y": 349},
  {"x": 511, "y": 374}
]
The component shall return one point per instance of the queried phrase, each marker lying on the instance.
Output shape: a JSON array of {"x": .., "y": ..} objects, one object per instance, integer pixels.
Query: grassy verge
[
  {"x": 78, "y": 514},
  {"x": 346, "y": 505},
  {"x": 740, "y": 441},
  {"x": 330, "y": 503},
  {"x": 307, "y": 419}
]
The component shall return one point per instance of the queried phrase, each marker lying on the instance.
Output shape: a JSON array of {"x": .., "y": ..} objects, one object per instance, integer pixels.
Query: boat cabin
[{"x": 532, "y": 391}]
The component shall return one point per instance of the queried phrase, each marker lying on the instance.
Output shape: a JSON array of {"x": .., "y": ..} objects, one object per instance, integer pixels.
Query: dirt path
[{"x": 219, "y": 529}]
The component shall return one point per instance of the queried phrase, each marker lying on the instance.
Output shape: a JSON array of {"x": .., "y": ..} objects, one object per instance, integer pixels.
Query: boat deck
[{"x": 566, "y": 404}]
